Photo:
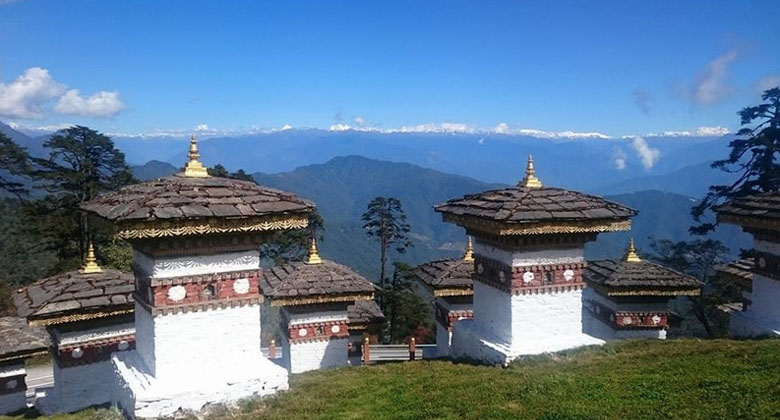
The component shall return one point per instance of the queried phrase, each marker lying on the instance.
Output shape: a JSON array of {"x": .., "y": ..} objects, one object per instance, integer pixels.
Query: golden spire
[
  {"x": 631, "y": 255},
  {"x": 194, "y": 168},
  {"x": 530, "y": 180},
  {"x": 90, "y": 265},
  {"x": 469, "y": 255},
  {"x": 314, "y": 256}
]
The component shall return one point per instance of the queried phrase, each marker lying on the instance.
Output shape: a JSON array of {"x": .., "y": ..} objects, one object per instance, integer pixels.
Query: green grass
[{"x": 675, "y": 379}]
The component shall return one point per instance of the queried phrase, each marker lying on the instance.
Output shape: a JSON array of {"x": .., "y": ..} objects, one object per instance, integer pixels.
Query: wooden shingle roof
[
  {"x": 523, "y": 210},
  {"x": 298, "y": 283},
  {"x": 364, "y": 312},
  {"x": 187, "y": 205},
  {"x": 75, "y": 296},
  {"x": 761, "y": 211},
  {"x": 447, "y": 277},
  {"x": 20, "y": 340},
  {"x": 618, "y": 277}
]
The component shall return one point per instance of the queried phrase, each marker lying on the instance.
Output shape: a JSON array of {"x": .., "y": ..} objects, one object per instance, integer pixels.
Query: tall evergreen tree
[
  {"x": 82, "y": 163},
  {"x": 14, "y": 162},
  {"x": 406, "y": 313},
  {"x": 755, "y": 155},
  {"x": 385, "y": 221}
]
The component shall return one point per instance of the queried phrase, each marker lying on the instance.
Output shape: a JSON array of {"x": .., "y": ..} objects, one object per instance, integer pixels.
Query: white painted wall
[
  {"x": 10, "y": 403},
  {"x": 164, "y": 267},
  {"x": 766, "y": 298},
  {"x": 443, "y": 340},
  {"x": 78, "y": 387},
  {"x": 306, "y": 356},
  {"x": 521, "y": 257},
  {"x": 545, "y": 317},
  {"x": 493, "y": 312},
  {"x": 174, "y": 343},
  {"x": 15, "y": 401}
]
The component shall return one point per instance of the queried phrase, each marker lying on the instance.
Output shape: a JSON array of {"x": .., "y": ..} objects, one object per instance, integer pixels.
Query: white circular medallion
[
  {"x": 480, "y": 268},
  {"x": 177, "y": 293},
  {"x": 302, "y": 332},
  {"x": 77, "y": 353},
  {"x": 762, "y": 262},
  {"x": 568, "y": 275},
  {"x": 627, "y": 320},
  {"x": 656, "y": 319},
  {"x": 123, "y": 345},
  {"x": 528, "y": 277},
  {"x": 11, "y": 384},
  {"x": 335, "y": 329},
  {"x": 501, "y": 276},
  {"x": 241, "y": 286}
]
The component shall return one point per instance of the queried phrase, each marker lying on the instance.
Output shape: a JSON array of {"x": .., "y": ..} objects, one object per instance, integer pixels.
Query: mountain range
[{"x": 343, "y": 186}]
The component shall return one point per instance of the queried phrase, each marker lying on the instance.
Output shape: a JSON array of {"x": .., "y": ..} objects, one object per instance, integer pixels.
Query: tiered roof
[
  {"x": 76, "y": 296},
  {"x": 448, "y": 277},
  {"x": 314, "y": 281},
  {"x": 530, "y": 208},
  {"x": 363, "y": 313},
  {"x": 193, "y": 203},
  {"x": 739, "y": 271},
  {"x": 632, "y": 276},
  {"x": 19, "y": 340},
  {"x": 760, "y": 211}
]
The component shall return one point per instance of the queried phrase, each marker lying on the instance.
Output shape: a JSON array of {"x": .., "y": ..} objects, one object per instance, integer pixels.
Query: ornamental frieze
[
  {"x": 317, "y": 331},
  {"x": 628, "y": 319},
  {"x": 93, "y": 351},
  {"x": 447, "y": 318},
  {"x": 767, "y": 265},
  {"x": 200, "y": 289},
  {"x": 543, "y": 278}
]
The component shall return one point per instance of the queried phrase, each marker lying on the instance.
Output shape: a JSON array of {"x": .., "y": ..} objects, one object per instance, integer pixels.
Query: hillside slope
[{"x": 674, "y": 379}]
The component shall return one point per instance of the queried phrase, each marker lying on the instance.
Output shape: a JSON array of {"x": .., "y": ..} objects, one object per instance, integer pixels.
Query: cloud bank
[
  {"x": 27, "y": 97},
  {"x": 647, "y": 155}
]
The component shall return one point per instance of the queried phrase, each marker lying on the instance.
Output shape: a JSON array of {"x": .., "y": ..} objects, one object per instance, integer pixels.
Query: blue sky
[{"x": 618, "y": 67}]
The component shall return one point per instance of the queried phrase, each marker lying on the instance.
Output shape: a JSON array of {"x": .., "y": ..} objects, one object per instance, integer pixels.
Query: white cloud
[
  {"x": 619, "y": 159},
  {"x": 710, "y": 86},
  {"x": 101, "y": 104},
  {"x": 768, "y": 82},
  {"x": 286, "y": 127},
  {"x": 25, "y": 96},
  {"x": 202, "y": 127},
  {"x": 359, "y": 121},
  {"x": 646, "y": 154},
  {"x": 340, "y": 127}
]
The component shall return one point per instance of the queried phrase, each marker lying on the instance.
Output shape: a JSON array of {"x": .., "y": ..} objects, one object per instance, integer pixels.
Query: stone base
[
  {"x": 140, "y": 395},
  {"x": 13, "y": 402},
  {"x": 470, "y": 343},
  {"x": 749, "y": 324}
]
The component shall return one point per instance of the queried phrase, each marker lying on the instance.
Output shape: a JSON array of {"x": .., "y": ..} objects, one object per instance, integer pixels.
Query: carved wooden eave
[
  {"x": 84, "y": 316},
  {"x": 21, "y": 356},
  {"x": 475, "y": 224},
  {"x": 194, "y": 227},
  {"x": 452, "y": 291},
  {"x": 610, "y": 291},
  {"x": 748, "y": 222},
  {"x": 313, "y": 300}
]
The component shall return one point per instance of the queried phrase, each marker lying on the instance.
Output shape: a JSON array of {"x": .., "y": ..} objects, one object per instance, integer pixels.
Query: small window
[
  {"x": 209, "y": 292},
  {"x": 548, "y": 278}
]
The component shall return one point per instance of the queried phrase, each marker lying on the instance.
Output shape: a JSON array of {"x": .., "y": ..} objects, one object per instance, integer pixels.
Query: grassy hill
[{"x": 675, "y": 379}]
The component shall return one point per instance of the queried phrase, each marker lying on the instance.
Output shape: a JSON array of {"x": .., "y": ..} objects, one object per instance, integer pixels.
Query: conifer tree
[{"x": 385, "y": 221}]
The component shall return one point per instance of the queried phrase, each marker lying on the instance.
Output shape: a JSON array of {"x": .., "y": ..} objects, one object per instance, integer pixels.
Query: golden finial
[
  {"x": 314, "y": 256},
  {"x": 194, "y": 168},
  {"x": 469, "y": 255},
  {"x": 90, "y": 265},
  {"x": 631, "y": 255},
  {"x": 530, "y": 180}
]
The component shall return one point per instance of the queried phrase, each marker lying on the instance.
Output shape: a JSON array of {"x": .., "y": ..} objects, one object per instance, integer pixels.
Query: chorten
[
  {"x": 314, "y": 296},
  {"x": 89, "y": 315},
  {"x": 629, "y": 297},
  {"x": 195, "y": 241},
  {"x": 447, "y": 284},
  {"x": 19, "y": 343},
  {"x": 528, "y": 259},
  {"x": 759, "y": 215}
]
